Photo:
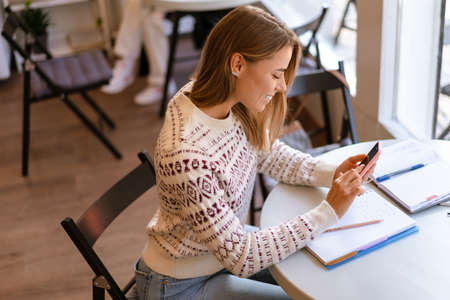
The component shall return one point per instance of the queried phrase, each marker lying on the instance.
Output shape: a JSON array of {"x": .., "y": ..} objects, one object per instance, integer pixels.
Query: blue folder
[{"x": 377, "y": 246}]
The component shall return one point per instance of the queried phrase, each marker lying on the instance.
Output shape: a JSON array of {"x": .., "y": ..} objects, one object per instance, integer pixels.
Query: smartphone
[{"x": 371, "y": 158}]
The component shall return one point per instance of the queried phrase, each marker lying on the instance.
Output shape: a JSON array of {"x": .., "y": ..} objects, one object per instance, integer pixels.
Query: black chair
[
  {"x": 94, "y": 221},
  {"x": 322, "y": 81},
  {"x": 343, "y": 23},
  {"x": 319, "y": 81},
  {"x": 312, "y": 26},
  {"x": 311, "y": 63},
  {"x": 57, "y": 77}
]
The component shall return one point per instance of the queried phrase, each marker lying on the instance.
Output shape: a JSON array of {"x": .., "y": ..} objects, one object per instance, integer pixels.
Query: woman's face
[{"x": 257, "y": 82}]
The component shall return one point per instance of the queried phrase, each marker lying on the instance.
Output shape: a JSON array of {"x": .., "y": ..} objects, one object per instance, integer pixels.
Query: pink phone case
[{"x": 372, "y": 161}]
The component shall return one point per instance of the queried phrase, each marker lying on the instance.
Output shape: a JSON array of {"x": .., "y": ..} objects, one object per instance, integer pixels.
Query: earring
[{"x": 235, "y": 74}]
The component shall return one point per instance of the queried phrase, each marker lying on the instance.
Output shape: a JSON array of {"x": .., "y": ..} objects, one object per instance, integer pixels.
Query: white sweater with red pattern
[{"x": 205, "y": 171}]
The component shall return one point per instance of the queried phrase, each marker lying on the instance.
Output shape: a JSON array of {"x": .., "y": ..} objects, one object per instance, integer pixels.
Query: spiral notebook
[
  {"x": 417, "y": 189},
  {"x": 335, "y": 248}
]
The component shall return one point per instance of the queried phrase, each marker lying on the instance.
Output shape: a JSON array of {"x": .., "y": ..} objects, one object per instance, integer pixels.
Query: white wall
[{"x": 75, "y": 24}]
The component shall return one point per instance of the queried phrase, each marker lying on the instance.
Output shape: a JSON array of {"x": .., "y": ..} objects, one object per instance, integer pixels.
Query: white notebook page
[
  {"x": 421, "y": 185},
  {"x": 413, "y": 189},
  {"x": 404, "y": 155},
  {"x": 369, "y": 206}
]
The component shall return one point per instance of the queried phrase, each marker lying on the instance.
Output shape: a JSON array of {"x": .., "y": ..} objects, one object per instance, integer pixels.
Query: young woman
[{"x": 220, "y": 130}]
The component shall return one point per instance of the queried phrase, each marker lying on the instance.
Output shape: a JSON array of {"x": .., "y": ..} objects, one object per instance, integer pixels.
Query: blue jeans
[{"x": 221, "y": 285}]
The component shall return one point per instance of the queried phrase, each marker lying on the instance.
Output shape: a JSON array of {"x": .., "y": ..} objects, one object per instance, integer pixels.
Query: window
[{"x": 410, "y": 66}]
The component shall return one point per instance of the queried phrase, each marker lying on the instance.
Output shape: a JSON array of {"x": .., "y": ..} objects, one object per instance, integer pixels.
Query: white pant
[{"x": 144, "y": 23}]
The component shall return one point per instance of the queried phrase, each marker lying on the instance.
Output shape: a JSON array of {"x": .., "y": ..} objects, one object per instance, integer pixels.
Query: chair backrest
[
  {"x": 93, "y": 222},
  {"x": 283, "y": 11},
  {"x": 11, "y": 27},
  {"x": 321, "y": 81}
]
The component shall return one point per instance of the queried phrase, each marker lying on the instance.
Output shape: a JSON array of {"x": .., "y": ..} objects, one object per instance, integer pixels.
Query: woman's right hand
[{"x": 344, "y": 190}]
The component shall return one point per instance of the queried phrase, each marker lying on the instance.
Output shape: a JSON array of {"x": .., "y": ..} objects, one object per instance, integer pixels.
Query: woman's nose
[{"x": 281, "y": 86}]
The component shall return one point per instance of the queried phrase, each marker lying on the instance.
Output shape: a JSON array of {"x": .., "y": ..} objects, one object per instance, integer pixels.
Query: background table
[
  {"x": 415, "y": 267},
  {"x": 198, "y": 5}
]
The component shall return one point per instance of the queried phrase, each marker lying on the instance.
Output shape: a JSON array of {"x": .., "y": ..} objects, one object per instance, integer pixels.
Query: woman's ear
[{"x": 237, "y": 64}]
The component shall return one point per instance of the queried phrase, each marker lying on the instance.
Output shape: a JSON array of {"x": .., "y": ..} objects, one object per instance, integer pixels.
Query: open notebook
[
  {"x": 335, "y": 248},
  {"x": 417, "y": 189}
]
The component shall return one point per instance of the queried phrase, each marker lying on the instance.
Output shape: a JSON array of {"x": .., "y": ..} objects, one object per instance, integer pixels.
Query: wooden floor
[{"x": 69, "y": 168}]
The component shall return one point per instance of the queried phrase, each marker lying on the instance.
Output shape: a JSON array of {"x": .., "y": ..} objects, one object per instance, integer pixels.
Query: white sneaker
[
  {"x": 123, "y": 76},
  {"x": 152, "y": 94}
]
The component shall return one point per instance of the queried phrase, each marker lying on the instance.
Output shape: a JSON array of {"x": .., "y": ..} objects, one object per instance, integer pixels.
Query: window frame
[{"x": 392, "y": 68}]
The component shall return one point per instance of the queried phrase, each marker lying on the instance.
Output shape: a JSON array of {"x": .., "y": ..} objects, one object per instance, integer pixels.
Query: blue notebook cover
[{"x": 377, "y": 246}]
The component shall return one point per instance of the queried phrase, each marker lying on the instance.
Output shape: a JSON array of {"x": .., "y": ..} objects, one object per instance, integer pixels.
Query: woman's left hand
[{"x": 351, "y": 163}]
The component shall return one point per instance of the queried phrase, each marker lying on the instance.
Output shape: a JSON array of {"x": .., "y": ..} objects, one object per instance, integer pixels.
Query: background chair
[
  {"x": 205, "y": 20},
  {"x": 94, "y": 221},
  {"x": 310, "y": 60},
  {"x": 57, "y": 77},
  {"x": 319, "y": 81},
  {"x": 322, "y": 81},
  {"x": 312, "y": 27},
  {"x": 311, "y": 63}
]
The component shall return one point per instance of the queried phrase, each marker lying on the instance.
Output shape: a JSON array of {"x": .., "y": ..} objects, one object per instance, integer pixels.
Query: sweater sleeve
[
  {"x": 213, "y": 223},
  {"x": 292, "y": 166}
]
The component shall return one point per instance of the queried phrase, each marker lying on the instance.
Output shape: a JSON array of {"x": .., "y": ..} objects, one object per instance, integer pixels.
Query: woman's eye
[{"x": 276, "y": 77}]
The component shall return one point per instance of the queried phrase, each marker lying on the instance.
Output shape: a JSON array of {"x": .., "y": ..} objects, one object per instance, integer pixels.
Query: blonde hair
[{"x": 256, "y": 35}]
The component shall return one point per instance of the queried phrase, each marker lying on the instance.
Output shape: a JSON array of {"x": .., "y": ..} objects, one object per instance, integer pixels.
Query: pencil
[{"x": 353, "y": 225}]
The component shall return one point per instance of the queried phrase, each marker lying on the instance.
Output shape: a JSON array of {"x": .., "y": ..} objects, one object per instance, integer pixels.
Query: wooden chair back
[{"x": 96, "y": 219}]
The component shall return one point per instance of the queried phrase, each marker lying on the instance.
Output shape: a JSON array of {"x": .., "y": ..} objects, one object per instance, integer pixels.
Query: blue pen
[{"x": 388, "y": 176}]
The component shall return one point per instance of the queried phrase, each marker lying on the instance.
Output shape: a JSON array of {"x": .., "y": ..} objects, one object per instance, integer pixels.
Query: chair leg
[
  {"x": 172, "y": 50},
  {"x": 25, "y": 138},
  {"x": 91, "y": 126},
  {"x": 326, "y": 116},
  {"x": 252, "y": 208},
  {"x": 98, "y": 293},
  {"x": 129, "y": 285},
  {"x": 342, "y": 24},
  {"x": 100, "y": 112},
  {"x": 348, "y": 108},
  {"x": 264, "y": 190},
  {"x": 344, "y": 128},
  {"x": 26, "y": 124}
]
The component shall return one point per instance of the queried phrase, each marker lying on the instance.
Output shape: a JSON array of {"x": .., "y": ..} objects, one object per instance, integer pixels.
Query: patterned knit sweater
[{"x": 205, "y": 171}]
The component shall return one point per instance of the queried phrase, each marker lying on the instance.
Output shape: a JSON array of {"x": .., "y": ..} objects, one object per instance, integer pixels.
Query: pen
[
  {"x": 390, "y": 175},
  {"x": 353, "y": 225}
]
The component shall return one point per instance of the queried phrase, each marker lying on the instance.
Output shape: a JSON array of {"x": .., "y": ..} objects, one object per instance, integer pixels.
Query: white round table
[
  {"x": 415, "y": 267},
  {"x": 198, "y": 5}
]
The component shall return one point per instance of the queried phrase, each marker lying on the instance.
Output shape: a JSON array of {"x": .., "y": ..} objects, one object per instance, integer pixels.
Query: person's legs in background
[
  {"x": 157, "y": 49},
  {"x": 127, "y": 47}
]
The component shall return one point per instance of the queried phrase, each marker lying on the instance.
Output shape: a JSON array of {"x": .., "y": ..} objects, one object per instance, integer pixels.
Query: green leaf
[{"x": 37, "y": 19}]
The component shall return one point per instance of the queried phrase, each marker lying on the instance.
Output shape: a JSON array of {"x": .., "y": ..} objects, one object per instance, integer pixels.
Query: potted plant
[{"x": 38, "y": 21}]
